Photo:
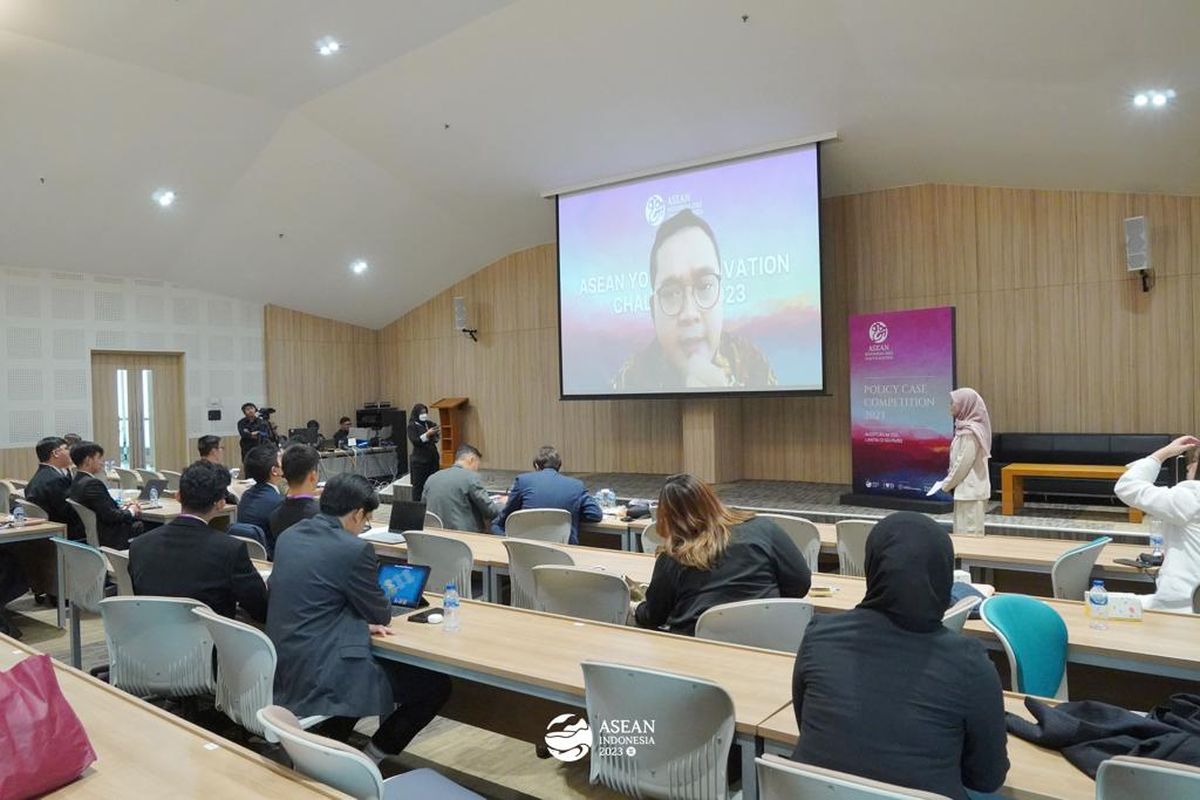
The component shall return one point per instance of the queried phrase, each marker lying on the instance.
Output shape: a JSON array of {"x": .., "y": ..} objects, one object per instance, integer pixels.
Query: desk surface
[
  {"x": 1105, "y": 471},
  {"x": 169, "y": 509},
  {"x": 142, "y": 751},
  {"x": 552, "y": 647},
  {"x": 33, "y": 528},
  {"x": 1034, "y": 772}
]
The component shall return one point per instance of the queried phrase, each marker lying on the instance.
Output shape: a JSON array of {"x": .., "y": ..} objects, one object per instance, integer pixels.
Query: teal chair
[
  {"x": 1035, "y": 640},
  {"x": 1072, "y": 571}
]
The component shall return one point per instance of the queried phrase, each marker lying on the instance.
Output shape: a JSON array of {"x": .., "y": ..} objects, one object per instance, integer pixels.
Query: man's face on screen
[{"x": 687, "y": 306}]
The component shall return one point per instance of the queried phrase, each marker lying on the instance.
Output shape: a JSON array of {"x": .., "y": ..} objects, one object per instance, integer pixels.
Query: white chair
[
  {"x": 781, "y": 779},
  {"x": 147, "y": 475},
  {"x": 581, "y": 592},
  {"x": 956, "y": 616},
  {"x": 651, "y": 541},
  {"x": 693, "y": 732},
  {"x": 1070, "y": 576},
  {"x": 1133, "y": 778},
  {"x": 775, "y": 623},
  {"x": 348, "y": 770},
  {"x": 804, "y": 533},
  {"x": 523, "y": 556},
  {"x": 254, "y": 547},
  {"x": 83, "y": 580},
  {"x": 448, "y": 559},
  {"x": 539, "y": 524},
  {"x": 157, "y": 646},
  {"x": 432, "y": 520},
  {"x": 7, "y": 492},
  {"x": 852, "y": 546},
  {"x": 172, "y": 478},
  {"x": 118, "y": 568},
  {"x": 88, "y": 518},
  {"x": 1196, "y": 601},
  {"x": 32, "y": 510},
  {"x": 126, "y": 478}
]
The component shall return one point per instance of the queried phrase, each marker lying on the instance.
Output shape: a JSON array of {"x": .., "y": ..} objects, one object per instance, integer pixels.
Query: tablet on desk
[{"x": 403, "y": 585}]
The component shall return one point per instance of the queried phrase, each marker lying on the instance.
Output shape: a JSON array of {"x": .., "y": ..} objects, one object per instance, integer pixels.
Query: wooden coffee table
[{"x": 1012, "y": 481}]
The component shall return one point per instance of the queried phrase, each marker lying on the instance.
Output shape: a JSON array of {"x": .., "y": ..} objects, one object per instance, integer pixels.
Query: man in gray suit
[
  {"x": 325, "y": 606},
  {"x": 457, "y": 495}
]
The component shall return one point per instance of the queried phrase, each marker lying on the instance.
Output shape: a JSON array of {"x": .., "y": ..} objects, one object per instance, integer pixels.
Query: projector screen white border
[{"x": 823, "y": 391}]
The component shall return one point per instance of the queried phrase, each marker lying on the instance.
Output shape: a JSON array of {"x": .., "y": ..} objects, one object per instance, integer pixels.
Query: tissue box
[{"x": 1121, "y": 605}]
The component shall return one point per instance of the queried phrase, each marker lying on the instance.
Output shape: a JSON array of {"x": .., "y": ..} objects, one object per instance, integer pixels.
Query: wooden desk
[
  {"x": 32, "y": 530},
  {"x": 1012, "y": 481},
  {"x": 143, "y": 751},
  {"x": 547, "y": 662},
  {"x": 1035, "y": 773},
  {"x": 169, "y": 509}
]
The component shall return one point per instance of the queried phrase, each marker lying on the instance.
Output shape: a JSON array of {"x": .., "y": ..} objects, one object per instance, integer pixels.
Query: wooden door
[{"x": 138, "y": 410}]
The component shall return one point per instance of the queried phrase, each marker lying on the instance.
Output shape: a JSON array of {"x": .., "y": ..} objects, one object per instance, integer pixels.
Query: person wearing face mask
[
  {"x": 423, "y": 433},
  {"x": 886, "y": 691}
]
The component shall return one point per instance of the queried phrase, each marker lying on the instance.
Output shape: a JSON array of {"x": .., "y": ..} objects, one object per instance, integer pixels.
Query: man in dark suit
[
  {"x": 187, "y": 558},
  {"x": 546, "y": 488},
  {"x": 213, "y": 450},
  {"x": 299, "y": 462},
  {"x": 260, "y": 500},
  {"x": 48, "y": 488},
  {"x": 457, "y": 494},
  {"x": 325, "y": 605},
  {"x": 114, "y": 525}
]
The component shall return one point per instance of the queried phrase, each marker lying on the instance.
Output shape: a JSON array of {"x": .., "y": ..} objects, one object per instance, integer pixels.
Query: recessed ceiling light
[
  {"x": 359, "y": 267},
  {"x": 164, "y": 197},
  {"x": 1141, "y": 100},
  {"x": 1158, "y": 99},
  {"x": 1153, "y": 97},
  {"x": 327, "y": 45}
]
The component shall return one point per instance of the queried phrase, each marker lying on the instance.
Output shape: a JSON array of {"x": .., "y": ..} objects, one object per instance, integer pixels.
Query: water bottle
[
  {"x": 450, "y": 604},
  {"x": 1097, "y": 599},
  {"x": 153, "y": 495},
  {"x": 1156, "y": 536},
  {"x": 18, "y": 516}
]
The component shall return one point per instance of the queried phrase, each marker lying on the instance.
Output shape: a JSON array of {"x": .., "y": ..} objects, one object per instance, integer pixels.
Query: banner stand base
[{"x": 897, "y": 503}]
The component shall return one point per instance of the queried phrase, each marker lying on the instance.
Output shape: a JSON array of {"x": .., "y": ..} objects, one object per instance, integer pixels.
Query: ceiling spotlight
[
  {"x": 327, "y": 45},
  {"x": 1158, "y": 99},
  {"x": 164, "y": 197},
  {"x": 359, "y": 267},
  {"x": 1170, "y": 93},
  {"x": 1141, "y": 100}
]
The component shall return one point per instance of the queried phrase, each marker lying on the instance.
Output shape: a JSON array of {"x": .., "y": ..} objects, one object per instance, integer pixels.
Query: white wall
[{"x": 51, "y": 321}]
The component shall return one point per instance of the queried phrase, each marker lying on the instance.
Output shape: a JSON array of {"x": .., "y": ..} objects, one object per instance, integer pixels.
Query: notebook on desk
[{"x": 383, "y": 537}]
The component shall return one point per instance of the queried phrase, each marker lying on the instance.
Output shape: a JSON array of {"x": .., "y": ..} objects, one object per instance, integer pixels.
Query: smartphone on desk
[{"x": 424, "y": 615}]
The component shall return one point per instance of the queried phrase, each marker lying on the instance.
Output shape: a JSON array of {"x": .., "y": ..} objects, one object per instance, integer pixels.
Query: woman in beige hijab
[{"x": 969, "y": 453}]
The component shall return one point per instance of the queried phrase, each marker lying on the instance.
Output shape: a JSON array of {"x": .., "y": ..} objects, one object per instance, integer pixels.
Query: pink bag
[{"x": 42, "y": 743}]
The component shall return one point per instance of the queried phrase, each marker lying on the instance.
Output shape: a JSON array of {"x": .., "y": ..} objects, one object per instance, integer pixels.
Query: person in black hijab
[
  {"x": 423, "y": 433},
  {"x": 886, "y": 692}
]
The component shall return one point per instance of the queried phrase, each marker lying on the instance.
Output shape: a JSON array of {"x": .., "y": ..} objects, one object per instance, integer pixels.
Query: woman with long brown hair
[{"x": 712, "y": 555}]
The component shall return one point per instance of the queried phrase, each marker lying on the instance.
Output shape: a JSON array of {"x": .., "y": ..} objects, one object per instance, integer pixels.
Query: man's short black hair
[
  {"x": 346, "y": 493},
  {"x": 298, "y": 461},
  {"x": 680, "y": 222},
  {"x": 202, "y": 485},
  {"x": 248, "y": 405},
  {"x": 343, "y": 420},
  {"x": 208, "y": 443},
  {"x": 83, "y": 451},
  {"x": 259, "y": 462},
  {"x": 46, "y": 447},
  {"x": 465, "y": 450},
  {"x": 547, "y": 458},
  {"x": 72, "y": 439}
]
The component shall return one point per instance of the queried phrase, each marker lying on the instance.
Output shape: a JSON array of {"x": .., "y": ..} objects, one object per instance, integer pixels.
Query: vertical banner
[{"x": 901, "y": 374}]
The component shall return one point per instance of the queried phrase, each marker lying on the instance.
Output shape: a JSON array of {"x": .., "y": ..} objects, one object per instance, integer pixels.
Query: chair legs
[{"x": 76, "y": 639}]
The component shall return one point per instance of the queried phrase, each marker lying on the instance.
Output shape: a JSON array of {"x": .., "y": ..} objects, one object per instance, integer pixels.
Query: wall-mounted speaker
[{"x": 1137, "y": 244}]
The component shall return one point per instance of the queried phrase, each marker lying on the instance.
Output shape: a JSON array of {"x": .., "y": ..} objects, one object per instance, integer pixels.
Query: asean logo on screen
[
  {"x": 878, "y": 332},
  {"x": 656, "y": 210},
  {"x": 569, "y": 737}
]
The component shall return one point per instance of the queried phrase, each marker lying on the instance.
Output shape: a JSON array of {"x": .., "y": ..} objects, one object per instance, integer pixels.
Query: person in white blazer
[
  {"x": 1178, "y": 508},
  {"x": 969, "y": 453}
]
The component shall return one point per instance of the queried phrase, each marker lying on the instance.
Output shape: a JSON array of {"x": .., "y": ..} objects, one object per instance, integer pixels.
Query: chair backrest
[
  {"x": 148, "y": 475},
  {"x": 1196, "y": 601},
  {"x": 581, "y": 592},
  {"x": 245, "y": 668},
  {"x": 956, "y": 616},
  {"x": 157, "y": 646},
  {"x": 693, "y": 729},
  {"x": 118, "y": 560},
  {"x": 540, "y": 524},
  {"x": 432, "y": 520},
  {"x": 84, "y": 573},
  {"x": 325, "y": 760},
  {"x": 852, "y": 545},
  {"x": 804, "y": 533},
  {"x": 88, "y": 518},
  {"x": 127, "y": 478},
  {"x": 172, "y": 478},
  {"x": 1072, "y": 571},
  {"x": 1133, "y": 778},
  {"x": 6, "y": 493},
  {"x": 448, "y": 560},
  {"x": 31, "y": 509},
  {"x": 254, "y": 546},
  {"x": 1035, "y": 640},
  {"x": 651, "y": 541},
  {"x": 775, "y": 623},
  {"x": 781, "y": 779},
  {"x": 523, "y": 556}
]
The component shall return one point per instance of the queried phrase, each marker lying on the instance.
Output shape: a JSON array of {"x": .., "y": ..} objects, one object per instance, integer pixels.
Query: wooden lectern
[{"x": 450, "y": 419}]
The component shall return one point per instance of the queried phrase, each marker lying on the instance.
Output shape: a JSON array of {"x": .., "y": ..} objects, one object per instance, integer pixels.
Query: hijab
[
  {"x": 910, "y": 569},
  {"x": 971, "y": 416}
]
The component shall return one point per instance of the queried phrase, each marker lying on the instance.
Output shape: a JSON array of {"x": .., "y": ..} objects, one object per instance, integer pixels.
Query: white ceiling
[{"x": 349, "y": 157}]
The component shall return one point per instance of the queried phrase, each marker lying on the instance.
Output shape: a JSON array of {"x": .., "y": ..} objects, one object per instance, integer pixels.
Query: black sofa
[{"x": 1075, "y": 448}]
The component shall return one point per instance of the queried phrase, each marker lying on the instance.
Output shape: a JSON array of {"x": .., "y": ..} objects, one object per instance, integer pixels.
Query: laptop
[
  {"x": 404, "y": 585},
  {"x": 158, "y": 484},
  {"x": 407, "y": 515}
]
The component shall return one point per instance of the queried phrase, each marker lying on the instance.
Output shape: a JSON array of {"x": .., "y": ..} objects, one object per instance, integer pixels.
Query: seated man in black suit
[
  {"x": 187, "y": 558},
  {"x": 325, "y": 605},
  {"x": 263, "y": 466},
  {"x": 48, "y": 488},
  {"x": 300, "y": 471},
  {"x": 114, "y": 525},
  {"x": 213, "y": 451}
]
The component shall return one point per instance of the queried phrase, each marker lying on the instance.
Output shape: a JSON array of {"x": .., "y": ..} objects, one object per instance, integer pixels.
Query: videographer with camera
[{"x": 254, "y": 428}]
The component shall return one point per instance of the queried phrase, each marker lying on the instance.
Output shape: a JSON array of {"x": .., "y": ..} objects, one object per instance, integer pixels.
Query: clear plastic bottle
[
  {"x": 153, "y": 495},
  {"x": 451, "y": 621},
  {"x": 1156, "y": 536},
  {"x": 18, "y": 516},
  {"x": 1097, "y": 600}
]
